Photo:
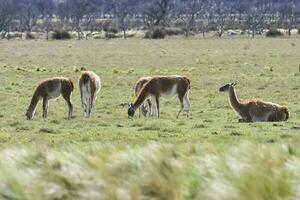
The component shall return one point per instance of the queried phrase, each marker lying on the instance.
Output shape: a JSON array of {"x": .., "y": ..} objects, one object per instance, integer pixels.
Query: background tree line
[{"x": 191, "y": 16}]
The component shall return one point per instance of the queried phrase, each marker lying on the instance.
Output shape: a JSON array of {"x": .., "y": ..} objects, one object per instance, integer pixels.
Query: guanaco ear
[
  {"x": 82, "y": 69},
  {"x": 233, "y": 84},
  {"x": 129, "y": 105}
]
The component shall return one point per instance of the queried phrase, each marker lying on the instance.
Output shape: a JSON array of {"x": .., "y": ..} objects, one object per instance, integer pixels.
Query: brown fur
[
  {"x": 145, "y": 108},
  {"x": 50, "y": 89},
  {"x": 89, "y": 83},
  {"x": 159, "y": 85},
  {"x": 257, "y": 110}
]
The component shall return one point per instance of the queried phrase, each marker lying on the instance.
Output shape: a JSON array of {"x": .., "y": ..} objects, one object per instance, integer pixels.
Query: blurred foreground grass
[{"x": 152, "y": 171}]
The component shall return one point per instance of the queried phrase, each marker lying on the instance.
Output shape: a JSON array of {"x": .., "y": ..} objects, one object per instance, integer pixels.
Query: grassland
[{"x": 207, "y": 156}]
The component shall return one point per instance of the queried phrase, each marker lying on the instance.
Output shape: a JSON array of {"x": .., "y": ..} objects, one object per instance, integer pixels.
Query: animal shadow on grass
[
  {"x": 277, "y": 125},
  {"x": 296, "y": 127},
  {"x": 48, "y": 130},
  {"x": 73, "y": 117},
  {"x": 197, "y": 126},
  {"x": 270, "y": 140},
  {"x": 55, "y": 121},
  {"x": 20, "y": 128},
  {"x": 149, "y": 128},
  {"x": 15, "y": 124},
  {"x": 235, "y": 133}
]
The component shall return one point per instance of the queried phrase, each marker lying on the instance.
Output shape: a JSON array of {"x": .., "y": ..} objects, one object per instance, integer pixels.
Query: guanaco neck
[
  {"x": 235, "y": 103},
  {"x": 140, "y": 98},
  {"x": 34, "y": 101}
]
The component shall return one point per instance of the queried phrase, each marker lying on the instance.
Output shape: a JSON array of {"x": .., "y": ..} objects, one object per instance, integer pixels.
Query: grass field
[{"x": 206, "y": 156}]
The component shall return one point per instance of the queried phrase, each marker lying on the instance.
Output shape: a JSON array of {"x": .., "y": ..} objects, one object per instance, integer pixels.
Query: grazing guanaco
[
  {"x": 51, "y": 89},
  {"x": 255, "y": 110},
  {"x": 166, "y": 87},
  {"x": 146, "y": 107},
  {"x": 89, "y": 85}
]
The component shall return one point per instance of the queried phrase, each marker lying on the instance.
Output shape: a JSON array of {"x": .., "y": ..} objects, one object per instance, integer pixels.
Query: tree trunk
[
  {"x": 253, "y": 31},
  {"x": 124, "y": 33},
  {"x": 124, "y": 28},
  {"x": 78, "y": 35},
  {"x": 290, "y": 27},
  {"x": 187, "y": 29},
  {"x": 8, "y": 36},
  {"x": 47, "y": 27},
  {"x": 78, "y": 29},
  {"x": 47, "y": 34}
]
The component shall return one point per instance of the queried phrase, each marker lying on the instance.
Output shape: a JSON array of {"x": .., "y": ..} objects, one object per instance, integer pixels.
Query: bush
[
  {"x": 29, "y": 36},
  {"x": 157, "y": 33},
  {"x": 111, "y": 30},
  {"x": 61, "y": 35},
  {"x": 174, "y": 31},
  {"x": 14, "y": 35},
  {"x": 110, "y": 35},
  {"x": 274, "y": 33},
  {"x": 98, "y": 36}
]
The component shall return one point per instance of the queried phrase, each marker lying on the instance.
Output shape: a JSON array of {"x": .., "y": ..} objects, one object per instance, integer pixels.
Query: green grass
[{"x": 207, "y": 156}]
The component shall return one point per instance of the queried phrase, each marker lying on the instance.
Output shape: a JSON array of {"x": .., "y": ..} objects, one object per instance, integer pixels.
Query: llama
[
  {"x": 145, "y": 108},
  {"x": 51, "y": 89},
  {"x": 166, "y": 87},
  {"x": 255, "y": 110},
  {"x": 89, "y": 85}
]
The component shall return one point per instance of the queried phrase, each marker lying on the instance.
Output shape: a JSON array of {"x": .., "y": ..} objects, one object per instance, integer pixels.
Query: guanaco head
[
  {"x": 83, "y": 69},
  {"x": 29, "y": 115},
  {"x": 226, "y": 87},
  {"x": 131, "y": 110},
  {"x": 286, "y": 113}
]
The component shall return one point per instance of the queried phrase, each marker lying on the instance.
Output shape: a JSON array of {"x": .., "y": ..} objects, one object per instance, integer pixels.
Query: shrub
[
  {"x": 29, "y": 36},
  {"x": 14, "y": 35},
  {"x": 157, "y": 33},
  {"x": 61, "y": 35},
  {"x": 110, "y": 35},
  {"x": 97, "y": 36},
  {"x": 274, "y": 33},
  {"x": 111, "y": 30},
  {"x": 174, "y": 31}
]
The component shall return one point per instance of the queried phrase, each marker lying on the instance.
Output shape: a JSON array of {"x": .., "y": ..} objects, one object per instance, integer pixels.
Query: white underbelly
[
  {"x": 261, "y": 119},
  {"x": 55, "y": 93},
  {"x": 171, "y": 93}
]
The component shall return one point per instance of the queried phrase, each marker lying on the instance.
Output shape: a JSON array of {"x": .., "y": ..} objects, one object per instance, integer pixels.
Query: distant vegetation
[
  {"x": 153, "y": 17},
  {"x": 61, "y": 35},
  {"x": 274, "y": 33}
]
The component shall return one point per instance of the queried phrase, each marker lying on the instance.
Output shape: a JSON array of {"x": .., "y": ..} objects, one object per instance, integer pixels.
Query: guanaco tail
[
  {"x": 166, "y": 87},
  {"x": 51, "y": 89},
  {"x": 89, "y": 85},
  {"x": 255, "y": 110}
]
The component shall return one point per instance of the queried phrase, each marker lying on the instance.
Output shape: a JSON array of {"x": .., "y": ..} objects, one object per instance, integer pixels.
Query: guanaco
[
  {"x": 255, "y": 110},
  {"x": 89, "y": 85},
  {"x": 166, "y": 87},
  {"x": 51, "y": 89}
]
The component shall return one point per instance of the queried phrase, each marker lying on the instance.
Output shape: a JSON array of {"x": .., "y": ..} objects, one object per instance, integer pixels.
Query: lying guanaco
[{"x": 255, "y": 110}]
